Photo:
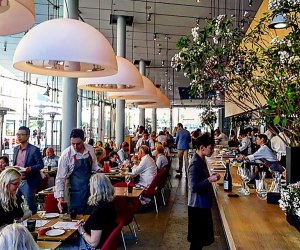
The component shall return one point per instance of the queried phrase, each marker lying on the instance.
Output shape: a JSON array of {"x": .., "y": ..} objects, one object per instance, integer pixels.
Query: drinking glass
[
  {"x": 244, "y": 175},
  {"x": 261, "y": 190},
  {"x": 41, "y": 214},
  {"x": 127, "y": 180}
]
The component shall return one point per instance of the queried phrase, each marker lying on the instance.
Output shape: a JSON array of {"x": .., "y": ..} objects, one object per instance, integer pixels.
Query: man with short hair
[
  {"x": 29, "y": 157},
  {"x": 75, "y": 167},
  {"x": 183, "y": 139},
  {"x": 146, "y": 169},
  {"x": 145, "y": 140},
  {"x": 124, "y": 153},
  {"x": 50, "y": 160},
  {"x": 113, "y": 159}
]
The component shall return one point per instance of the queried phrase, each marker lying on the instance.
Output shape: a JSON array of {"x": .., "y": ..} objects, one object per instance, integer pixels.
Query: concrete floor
[{"x": 168, "y": 228}]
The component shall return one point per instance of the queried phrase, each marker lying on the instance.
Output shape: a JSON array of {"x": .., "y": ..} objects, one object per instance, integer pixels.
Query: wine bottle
[{"x": 227, "y": 179}]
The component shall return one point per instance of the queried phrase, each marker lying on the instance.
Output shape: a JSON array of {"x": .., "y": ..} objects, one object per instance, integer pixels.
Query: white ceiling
[{"x": 170, "y": 19}]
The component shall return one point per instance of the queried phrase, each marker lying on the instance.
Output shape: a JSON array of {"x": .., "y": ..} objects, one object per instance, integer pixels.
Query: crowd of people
[{"x": 80, "y": 184}]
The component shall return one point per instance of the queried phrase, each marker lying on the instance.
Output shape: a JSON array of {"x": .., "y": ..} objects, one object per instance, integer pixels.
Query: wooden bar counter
[{"x": 251, "y": 223}]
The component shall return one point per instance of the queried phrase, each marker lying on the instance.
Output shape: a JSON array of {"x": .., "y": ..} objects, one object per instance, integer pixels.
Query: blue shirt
[{"x": 183, "y": 138}]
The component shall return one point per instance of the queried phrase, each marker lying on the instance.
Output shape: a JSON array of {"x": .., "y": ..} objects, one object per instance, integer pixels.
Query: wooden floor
[{"x": 168, "y": 228}]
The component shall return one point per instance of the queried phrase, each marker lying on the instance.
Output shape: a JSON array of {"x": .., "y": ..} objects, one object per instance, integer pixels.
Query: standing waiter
[{"x": 75, "y": 168}]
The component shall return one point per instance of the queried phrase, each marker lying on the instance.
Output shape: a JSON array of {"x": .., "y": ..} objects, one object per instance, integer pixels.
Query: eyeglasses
[
  {"x": 16, "y": 183},
  {"x": 21, "y": 134}
]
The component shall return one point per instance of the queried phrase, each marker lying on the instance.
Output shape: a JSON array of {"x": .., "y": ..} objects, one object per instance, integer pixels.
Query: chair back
[
  {"x": 124, "y": 212},
  {"x": 112, "y": 242},
  {"x": 51, "y": 204},
  {"x": 154, "y": 186},
  {"x": 164, "y": 172}
]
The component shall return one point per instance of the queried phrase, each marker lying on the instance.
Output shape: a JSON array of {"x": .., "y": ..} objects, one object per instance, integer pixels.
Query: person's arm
[
  {"x": 38, "y": 160},
  {"x": 198, "y": 182},
  {"x": 92, "y": 239},
  {"x": 244, "y": 145},
  {"x": 61, "y": 176},
  {"x": 259, "y": 154},
  {"x": 139, "y": 168}
]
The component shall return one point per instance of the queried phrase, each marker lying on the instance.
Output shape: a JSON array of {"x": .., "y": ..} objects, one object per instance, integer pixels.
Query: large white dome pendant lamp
[
  {"x": 16, "y": 16},
  {"x": 66, "y": 48},
  {"x": 128, "y": 76},
  {"x": 163, "y": 102},
  {"x": 147, "y": 101},
  {"x": 148, "y": 91}
]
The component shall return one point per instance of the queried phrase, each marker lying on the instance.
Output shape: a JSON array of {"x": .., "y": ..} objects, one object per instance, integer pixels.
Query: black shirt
[
  {"x": 16, "y": 212},
  {"x": 103, "y": 218}
]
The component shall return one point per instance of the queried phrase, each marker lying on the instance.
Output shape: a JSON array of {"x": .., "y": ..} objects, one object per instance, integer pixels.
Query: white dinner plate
[
  {"x": 129, "y": 173},
  {"x": 55, "y": 232},
  {"x": 51, "y": 215}
]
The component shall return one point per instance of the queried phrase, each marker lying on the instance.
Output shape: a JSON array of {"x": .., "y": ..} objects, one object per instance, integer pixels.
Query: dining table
[
  {"x": 49, "y": 244},
  {"x": 57, "y": 221}
]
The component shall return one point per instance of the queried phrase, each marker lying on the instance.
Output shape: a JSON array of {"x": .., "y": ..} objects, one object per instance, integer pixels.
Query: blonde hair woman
[
  {"x": 102, "y": 220},
  {"x": 10, "y": 208},
  {"x": 16, "y": 236}
]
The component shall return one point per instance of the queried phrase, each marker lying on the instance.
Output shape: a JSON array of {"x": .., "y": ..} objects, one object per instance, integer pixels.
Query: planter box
[
  {"x": 292, "y": 164},
  {"x": 293, "y": 220}
]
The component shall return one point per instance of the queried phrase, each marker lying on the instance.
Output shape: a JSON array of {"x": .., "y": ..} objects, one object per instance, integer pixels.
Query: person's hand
[
  {"x": 59, "y": 204},
  {"x": 214, "y": 177},
  {"x": 28, "y": 169},
  {"x": 79, "y": 223}
]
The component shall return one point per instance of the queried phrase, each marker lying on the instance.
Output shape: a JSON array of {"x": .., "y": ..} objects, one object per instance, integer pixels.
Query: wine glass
[
  {"x": 246, "y": 178},
  {"x": 127, "y": 180},
  {"x": 244, "y": 175},
  {"x": 261, "y": 191},
  {"x": 41, "y": 214}
]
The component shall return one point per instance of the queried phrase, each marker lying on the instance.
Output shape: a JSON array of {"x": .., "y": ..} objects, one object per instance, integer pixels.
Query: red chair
[
  {"x": 125, "y": 214},
  {"x": 164, "y": 173},
  {"x": 154, "y": 188},
  {"x": 112, "y": 242},
  {"x": 134, "y": 203},
  {"x": 51, "y": 204}
]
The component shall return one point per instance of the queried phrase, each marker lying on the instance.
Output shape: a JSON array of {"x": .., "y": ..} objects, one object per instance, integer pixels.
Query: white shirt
[
  {"x": 161, "y": 138},
  {"x": 139, "y": 143},
  {"x": 147, "y": 170},
  {"x": 221, "y": 137},
  {"x": 66, "y": 166},
  {"x": 263, "y": 152},
  {"x": 278, "y": 145},
  {"x": 245, "y": 144},
  {"x": 161, "y": 161},
  {"x": 269, "y": 134}
]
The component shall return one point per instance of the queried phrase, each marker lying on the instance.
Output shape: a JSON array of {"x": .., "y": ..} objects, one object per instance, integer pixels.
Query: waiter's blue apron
[{"x": 78, "y": 184}]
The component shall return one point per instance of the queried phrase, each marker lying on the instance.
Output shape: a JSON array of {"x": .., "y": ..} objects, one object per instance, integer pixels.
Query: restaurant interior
[{"x": 128, "y": 97}]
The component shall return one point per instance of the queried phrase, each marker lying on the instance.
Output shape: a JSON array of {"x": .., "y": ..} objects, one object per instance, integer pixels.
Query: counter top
[{"x": 251, "y": 223}]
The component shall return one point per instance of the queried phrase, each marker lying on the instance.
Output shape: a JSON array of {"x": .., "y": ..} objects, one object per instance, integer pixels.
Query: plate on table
[
  {"x": 114, "y": 171},
  {"x": 51, "y": 215},
  {"x": 55, "y": 232}
]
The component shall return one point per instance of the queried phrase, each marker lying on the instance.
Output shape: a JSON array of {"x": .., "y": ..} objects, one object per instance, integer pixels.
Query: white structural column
[
  {"x": 79, "y": 108},
  {"x": 69, "y": 111},
  {"x": 120, "y": 104},
  {"x": 142, "y": 68},
  {"x": 154, "y": 118}
]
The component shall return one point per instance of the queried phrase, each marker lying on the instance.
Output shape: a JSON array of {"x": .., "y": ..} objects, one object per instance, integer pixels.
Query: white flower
[{"x": 215, "y": 40}]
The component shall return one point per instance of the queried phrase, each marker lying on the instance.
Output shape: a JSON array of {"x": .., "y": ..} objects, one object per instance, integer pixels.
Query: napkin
[{"x": 44, "y": 230}]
